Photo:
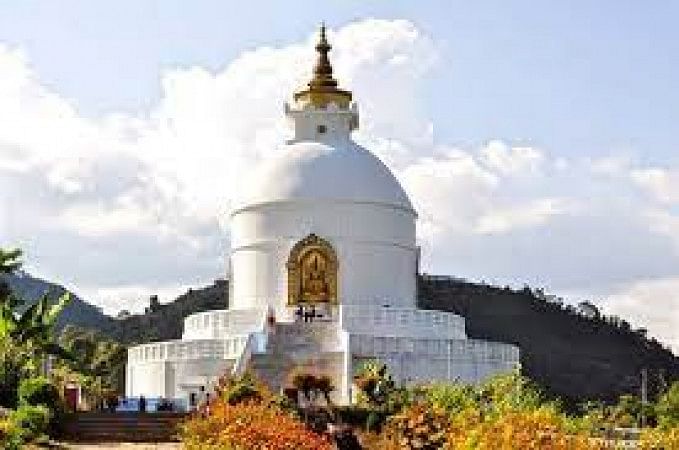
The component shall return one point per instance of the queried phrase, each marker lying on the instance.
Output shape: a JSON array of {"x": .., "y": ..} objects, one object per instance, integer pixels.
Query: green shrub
[
  {"x": 39, "y": 391},
  {"x": 668, "y": 408},
  {"x": 10, "y": 438},
  {"x": 240, "y": 393},
  {"x": 27, "y": 424},
  {"x": 451, "y": 397},
  {"x": 240, "y": 389}
]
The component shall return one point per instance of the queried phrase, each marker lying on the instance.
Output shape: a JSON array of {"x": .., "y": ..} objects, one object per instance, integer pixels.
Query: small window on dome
[{"x": 321, "y": 129}]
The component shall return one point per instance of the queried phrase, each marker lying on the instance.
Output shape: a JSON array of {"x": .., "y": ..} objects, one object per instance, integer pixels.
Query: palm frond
[{"x": 51, "y": 315}]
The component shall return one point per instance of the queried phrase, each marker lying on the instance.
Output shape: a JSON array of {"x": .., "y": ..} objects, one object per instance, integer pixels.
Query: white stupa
[{"x": 323, "y": 228}]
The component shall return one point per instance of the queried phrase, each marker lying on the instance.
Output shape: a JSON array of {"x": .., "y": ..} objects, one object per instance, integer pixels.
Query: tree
[
  {"x": 325, "y": 387},
  {"x": 312, "y": 386},
  {"x": 304, "y": 383},
  {"x": 98, "y": 362},
  {"x": 627, "y": 412},
  {"x": 667, "y": 408},
  {"x": 27, "y": 338}
]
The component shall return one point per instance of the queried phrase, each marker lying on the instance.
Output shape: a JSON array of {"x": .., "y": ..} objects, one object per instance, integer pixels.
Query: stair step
[
  {"x": 298, "y": 345},
  {"x": 119, "y": 427}
]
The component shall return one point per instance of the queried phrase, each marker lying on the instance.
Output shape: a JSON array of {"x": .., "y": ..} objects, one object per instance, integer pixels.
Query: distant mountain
[{"x": 78, "y": 312}]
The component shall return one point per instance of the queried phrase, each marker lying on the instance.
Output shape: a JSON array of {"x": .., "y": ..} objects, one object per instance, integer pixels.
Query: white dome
[{"x": 339, "y": 171}]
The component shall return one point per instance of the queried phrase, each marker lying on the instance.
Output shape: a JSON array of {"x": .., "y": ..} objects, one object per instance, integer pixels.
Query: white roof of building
[{"x": 339, "y": 171}]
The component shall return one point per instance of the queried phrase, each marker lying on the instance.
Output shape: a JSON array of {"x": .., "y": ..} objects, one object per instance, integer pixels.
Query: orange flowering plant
[
  {"x": 258, "y": 421},
  {"x": 251, "y": 425}
]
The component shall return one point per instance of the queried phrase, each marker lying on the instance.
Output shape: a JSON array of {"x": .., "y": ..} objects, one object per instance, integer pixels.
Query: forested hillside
[
  {"x": 572, "y": 356},
  {"x": 165, "y": 321}
]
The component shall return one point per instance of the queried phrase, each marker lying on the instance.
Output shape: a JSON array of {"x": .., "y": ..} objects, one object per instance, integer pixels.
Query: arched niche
[{"x": 312, "y": 272}]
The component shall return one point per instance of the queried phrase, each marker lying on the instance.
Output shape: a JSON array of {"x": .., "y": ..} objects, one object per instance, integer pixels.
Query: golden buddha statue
[{"x": 314, "y": 285}]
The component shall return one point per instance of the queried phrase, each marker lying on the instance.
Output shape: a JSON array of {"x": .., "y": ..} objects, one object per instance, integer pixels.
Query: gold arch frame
[{"x": 311, "y": 244}]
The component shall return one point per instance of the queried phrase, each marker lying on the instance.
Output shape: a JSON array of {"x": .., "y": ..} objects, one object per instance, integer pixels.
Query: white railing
[
  {"x": 230, "y": 348},
  {"x": 243, "y": 359},
  {"x": 457, "y": 349},
  {"x": 427, "y": 360},
  {"x": 401, "y": 322},
  {"x": 223, "y": 323}
]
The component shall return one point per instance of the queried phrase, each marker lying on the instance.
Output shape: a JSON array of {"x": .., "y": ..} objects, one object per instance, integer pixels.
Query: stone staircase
[
  {"x": 123, "y": 427},
  {"x": 306, "y": 347}
]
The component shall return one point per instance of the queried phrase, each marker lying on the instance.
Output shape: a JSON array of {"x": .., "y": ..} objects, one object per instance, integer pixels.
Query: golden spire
[
  {"x": 322, "y": 89},
  {"x": 322, "y": 69}
]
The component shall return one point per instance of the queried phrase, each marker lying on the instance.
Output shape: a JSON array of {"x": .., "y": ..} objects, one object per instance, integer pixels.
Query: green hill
[
  {"x": 570, "y": 355},
  {"x": 163, "y": 322}
]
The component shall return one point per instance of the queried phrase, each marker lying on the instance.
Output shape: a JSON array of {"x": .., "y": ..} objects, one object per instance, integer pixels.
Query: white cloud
[
  {"x": 124, "y": 204},
  {"x": 535, "y": 213},
  {"x": 611, "y": 165},
  {"x": 133, "y": 298},
  {"x": 652, "y": 304},
  {"x": 473, "y": 186},
  {"x": 499, "y": 156},
  {"x": 661, "y": 184}
]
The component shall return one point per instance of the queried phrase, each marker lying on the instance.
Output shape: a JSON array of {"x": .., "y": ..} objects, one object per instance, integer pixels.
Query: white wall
[
  {"x": 337, "y": 121},
  {"x": 413, "y": 361},
  {"x": 223, "y": 324},
  {"x": 173, "y": 379},
  {"x": 375, "y": 245},
  {"x": 160, "y": 369},
  {"x": 401, "y": 322}
]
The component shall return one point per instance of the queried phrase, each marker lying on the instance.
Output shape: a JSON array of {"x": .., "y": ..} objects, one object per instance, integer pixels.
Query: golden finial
[
  {"x": 322, "y": 89},
  {"x": 322, "y": 68}
]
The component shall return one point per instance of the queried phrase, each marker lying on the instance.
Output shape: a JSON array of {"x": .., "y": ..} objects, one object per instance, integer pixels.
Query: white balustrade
[
  {"x": 223, "y": 323},
  {"x": 401, "y": 322},
  {"x": 230, "y": 348},
  {"x": 457, "y": 349},
  {"x": 243, "y": 359}
]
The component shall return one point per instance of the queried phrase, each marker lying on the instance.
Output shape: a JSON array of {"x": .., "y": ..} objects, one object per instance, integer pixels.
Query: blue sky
[
  {"x": 577, "y": 76},
  {"x": 536, "y": 139}
]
